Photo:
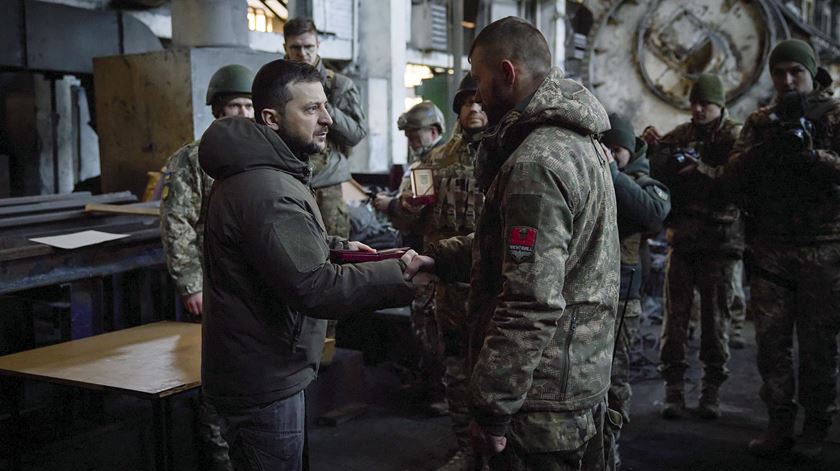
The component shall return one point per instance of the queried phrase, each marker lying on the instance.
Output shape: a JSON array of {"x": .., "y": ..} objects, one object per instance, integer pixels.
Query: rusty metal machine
[{"x": 641, "y": 57}]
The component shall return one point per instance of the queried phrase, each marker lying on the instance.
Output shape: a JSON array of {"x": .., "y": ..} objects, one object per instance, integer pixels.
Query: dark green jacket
[
  {"x": 642, "y": 206},
  {"x": 268, "y": 280}
]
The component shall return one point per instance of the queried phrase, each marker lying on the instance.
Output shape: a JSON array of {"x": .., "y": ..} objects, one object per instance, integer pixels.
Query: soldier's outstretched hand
[{"x": 417, "y": 264}]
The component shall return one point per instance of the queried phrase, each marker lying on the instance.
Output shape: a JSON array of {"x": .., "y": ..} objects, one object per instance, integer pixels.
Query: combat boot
[
  {"x": 773, "y": 444},
  {"x": 736, "y": 341},
  {"x": 674, "y": 404},
  {"x": 709, "y": 406},
  {"x": 809, "y": 446}
]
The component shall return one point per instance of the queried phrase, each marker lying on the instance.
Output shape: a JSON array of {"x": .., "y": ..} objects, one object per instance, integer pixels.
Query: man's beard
[
  {"x": 299, "y": 147},
  {"x": 496, "y": 108}
]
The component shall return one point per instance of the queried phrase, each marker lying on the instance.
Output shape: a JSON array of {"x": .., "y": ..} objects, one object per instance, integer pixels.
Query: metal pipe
[
  {"x": 201, "y": 23},
  {"x": 457, "y": 34}
]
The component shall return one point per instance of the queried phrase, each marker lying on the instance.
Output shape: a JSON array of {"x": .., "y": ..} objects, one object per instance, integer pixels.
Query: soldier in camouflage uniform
[
  {"x": 643, "y": 203},
  {"x": 423, "y": 125},
  {"x": 785, "y": 173},
  {"x": 706, "y": 241},
  {"x": 454, "y": 213},
  {"x": 543, "y": 261},
  {"x": 330, "y": 168},
  {"x": 185, "y": 192}
]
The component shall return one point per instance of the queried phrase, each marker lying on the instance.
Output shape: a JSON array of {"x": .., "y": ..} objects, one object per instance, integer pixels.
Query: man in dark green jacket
[
  {"x": 268, "y": 279},
  {"x": 642, "y": 205}
]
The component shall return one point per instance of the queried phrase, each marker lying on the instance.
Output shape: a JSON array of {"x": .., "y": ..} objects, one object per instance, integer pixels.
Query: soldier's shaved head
[
  {"x": 516, "y": 40},
  {"x": 510, "y": 59}
]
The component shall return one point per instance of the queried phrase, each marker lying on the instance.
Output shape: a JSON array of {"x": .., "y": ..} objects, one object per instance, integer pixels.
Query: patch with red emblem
[{"x": 521, "y": 243}]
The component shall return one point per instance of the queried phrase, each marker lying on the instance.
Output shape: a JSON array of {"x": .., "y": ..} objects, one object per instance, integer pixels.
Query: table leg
[{"x": 163, "y": 449}]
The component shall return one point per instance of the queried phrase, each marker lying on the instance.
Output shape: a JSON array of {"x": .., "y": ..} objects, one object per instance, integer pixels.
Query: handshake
[{"x": 419, "y": 269}]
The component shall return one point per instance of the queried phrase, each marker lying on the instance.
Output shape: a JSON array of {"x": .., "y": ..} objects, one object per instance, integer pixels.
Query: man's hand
[
  {"x": 193, "y": 303},
  {"x": 651, "y": 135},
  {"x": 357, "y": 246},
  {"x": 419, "y": 263},
  {"x": 382, "y": 201},
  {"x": 486, "y": 444}
]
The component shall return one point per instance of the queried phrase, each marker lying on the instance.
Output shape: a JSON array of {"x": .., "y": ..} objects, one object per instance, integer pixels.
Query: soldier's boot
[
  {"x": 674, "y": 404},
  {"x": 463, "y": 460},
  {"x": 777, "y": 440},
  {"x": 709, "y": 406},
  {"x": 809, "y": 446},
  {"x": 736, "y": 340}
]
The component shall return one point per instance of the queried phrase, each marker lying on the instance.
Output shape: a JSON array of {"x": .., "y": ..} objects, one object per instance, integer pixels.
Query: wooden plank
[
  {"x": 142, "y": 209},
  {"x": 43, "y": 198},
  {"x": 120, "y": 197},
  {"x": 343, "y": 414},
  {"x": 151, "y": 361}
]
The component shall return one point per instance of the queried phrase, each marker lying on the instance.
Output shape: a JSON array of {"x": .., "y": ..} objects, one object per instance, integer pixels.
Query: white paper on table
[{"x": 78, "y": 239}]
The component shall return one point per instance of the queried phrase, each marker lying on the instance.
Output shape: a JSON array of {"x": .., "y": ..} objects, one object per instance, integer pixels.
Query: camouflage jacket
[
  {"x": 642, "y": 205},
  {"x": 458, "y": 198},
  {"x": 185, "y": 192},
  {"x": 790, "y": 198},
  {"x": 545, "y": 259},
  {"x": 348, "y": 129},
  {"x": 698, "y": 222}
]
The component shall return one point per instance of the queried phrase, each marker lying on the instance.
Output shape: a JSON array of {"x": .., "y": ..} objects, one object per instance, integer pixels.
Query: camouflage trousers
[
  {"x": 712, "y": 276},
  {"x": 797, "y": 289},
  {"x": 738, "y": 310},
  {"x": 620, "y": 391},
  {"x": 424, "y": 329},
  {"x": 333, "y": 210},
  {"x": 451, "y": 319},
  {"x": 555, "y": 441},
  {"x": 336, "y": 222}
]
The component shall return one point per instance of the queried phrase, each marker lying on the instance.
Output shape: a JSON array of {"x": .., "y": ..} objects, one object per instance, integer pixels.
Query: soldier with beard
[
  {"x": 543, "y": 262},
  {"x": 458, "y": 202}
]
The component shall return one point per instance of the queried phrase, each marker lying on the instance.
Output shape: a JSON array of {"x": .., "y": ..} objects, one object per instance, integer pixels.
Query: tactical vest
[{"x": 459, "y": 200}]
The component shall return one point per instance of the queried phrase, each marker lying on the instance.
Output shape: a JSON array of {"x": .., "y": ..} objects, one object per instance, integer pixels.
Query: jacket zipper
[
  {"x": 298, "y": 329},
  {"x": 566, "y": 359}
]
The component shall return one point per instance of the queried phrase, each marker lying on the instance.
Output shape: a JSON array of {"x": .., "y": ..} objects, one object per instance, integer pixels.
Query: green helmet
[
  {"x": 422, "y": 115},
  {"x": 230, "y": 79},
  {"x": 466, "y": 89}
]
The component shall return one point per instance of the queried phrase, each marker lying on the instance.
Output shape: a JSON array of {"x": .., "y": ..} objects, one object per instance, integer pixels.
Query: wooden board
[
  {"x": 352, "y": 191},
  {"x": 150, "y": 361},
  {"x": 139, "y": 209}
]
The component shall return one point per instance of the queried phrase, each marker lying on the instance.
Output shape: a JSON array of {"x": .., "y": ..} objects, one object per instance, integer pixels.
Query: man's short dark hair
[
  {"x": 271, "y": 84},
  {"x": 516, "y": 40},
  {"x": 298, "y": 26}
]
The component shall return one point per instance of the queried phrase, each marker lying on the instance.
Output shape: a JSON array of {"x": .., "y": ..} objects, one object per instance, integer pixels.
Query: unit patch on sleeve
[{"x": 521, "y": 243}]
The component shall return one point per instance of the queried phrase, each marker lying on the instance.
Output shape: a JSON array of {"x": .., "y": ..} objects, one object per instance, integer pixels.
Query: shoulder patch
[
  {"x": 660, "y": 193},
  {"x": 521, "y": 242}
]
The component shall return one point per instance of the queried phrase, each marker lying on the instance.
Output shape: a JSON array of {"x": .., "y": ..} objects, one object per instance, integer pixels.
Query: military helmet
[
  {"x": 422, "y": 115},
  {"x": 467, "y": 88},
  {"x": 230, "y": 79}
]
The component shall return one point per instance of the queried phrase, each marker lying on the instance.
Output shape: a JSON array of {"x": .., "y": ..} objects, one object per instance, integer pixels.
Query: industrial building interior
[{"x": 96, "y": 95}]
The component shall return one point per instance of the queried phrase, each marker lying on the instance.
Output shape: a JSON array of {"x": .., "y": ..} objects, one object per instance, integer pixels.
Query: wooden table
[{"x": 152, "y": 362}]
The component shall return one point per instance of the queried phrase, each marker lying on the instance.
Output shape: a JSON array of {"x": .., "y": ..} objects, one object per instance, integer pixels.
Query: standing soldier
[
  {"x": 186, "y": 188},
  {"x": 642, "y": 205},
  {"x": 423, "y": 125},
  {"x": 454, "y": 213},
  {"x": 706, "y": 241},
  {"x": 330, "y": 168},
  {"x": 785, "y": 170},
  {"x": 544, "y": 262}
]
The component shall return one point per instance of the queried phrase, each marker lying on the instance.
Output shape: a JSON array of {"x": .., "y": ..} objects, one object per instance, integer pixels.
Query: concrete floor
[{"x": 395, "y": 435}]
